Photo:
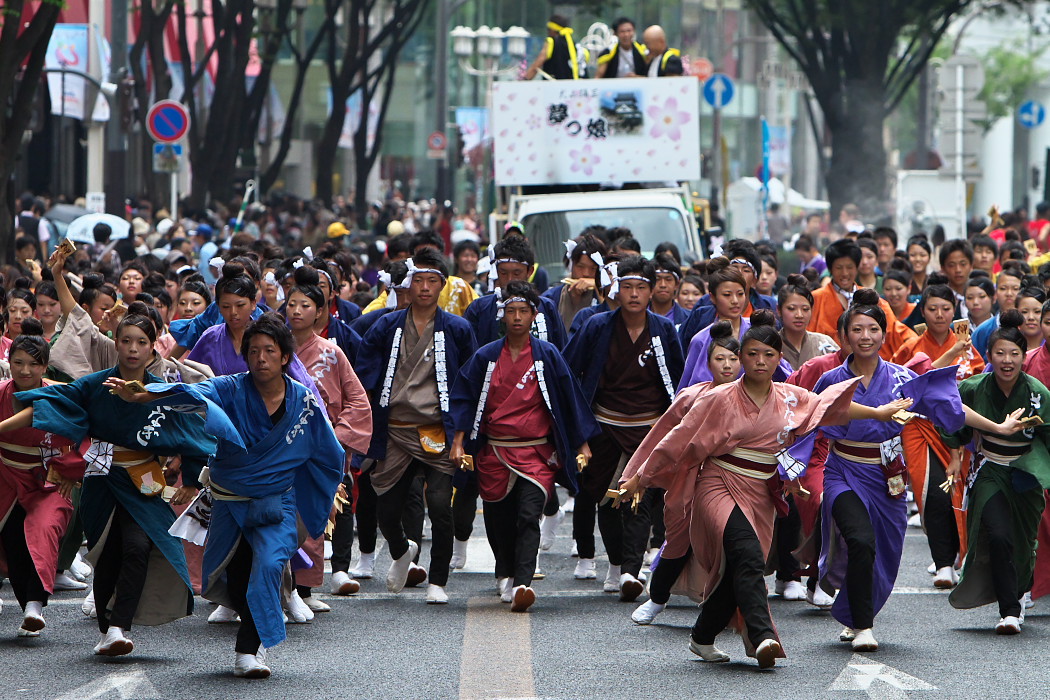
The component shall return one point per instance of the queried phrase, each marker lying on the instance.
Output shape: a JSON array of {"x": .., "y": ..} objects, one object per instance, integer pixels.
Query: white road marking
[
  {"x": 129, "y": 684},
  {"x": 876, "y": 679}
]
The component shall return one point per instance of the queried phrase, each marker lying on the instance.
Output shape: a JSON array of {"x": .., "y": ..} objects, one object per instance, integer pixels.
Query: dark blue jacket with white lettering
[
  {"x": 703, "y": 314},
  {"x": 588, "y": 350},
  {"x": 346, "y": 310},
  {"x": 571, "y": 417},
  {"x": 376, "y": 372},
  {"x": 348, "y": 340},
  {"x": 481, "y": 315}
]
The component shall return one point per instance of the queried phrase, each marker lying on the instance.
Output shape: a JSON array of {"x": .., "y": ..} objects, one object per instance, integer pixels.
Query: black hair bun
[
  {"x": 32, "y": 326},
  {"x": 722, "y": 329},
  {"x": 1011, "y": 318},
  {"x": 865, "y": 297},
  {"x": 307, "y": 275},
  {"x": 23, "y": 283},
  {"x": 232, "y": 270},
  {"x": 797, "y": 280},
  {"x": 763, "y": 317},
  {"x": 93, "y": 280},
  {"x": 138, "y": 308}
]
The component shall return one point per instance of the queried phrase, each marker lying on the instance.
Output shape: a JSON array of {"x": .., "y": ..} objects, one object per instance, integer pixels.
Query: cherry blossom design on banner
[{"x": 596, "y": 131}]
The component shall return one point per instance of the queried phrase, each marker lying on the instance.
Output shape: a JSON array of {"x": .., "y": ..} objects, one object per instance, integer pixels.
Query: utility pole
[
  {"x": 116, "y": 137},
  {"x": 441, "y": 94}
]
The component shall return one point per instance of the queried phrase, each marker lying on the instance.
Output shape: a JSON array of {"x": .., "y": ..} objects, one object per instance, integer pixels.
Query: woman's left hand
[
  {"x": 118, "y": 386},
  {"x": 885, "y": 411}
]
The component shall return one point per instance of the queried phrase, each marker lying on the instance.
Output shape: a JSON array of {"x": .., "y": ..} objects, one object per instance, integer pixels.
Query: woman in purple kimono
[{"x": 864, "y": 515}]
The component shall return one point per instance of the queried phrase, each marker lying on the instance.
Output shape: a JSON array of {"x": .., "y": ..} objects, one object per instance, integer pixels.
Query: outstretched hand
[
  {"x": 119, "y": 387},
  {"x": 886, "y": 410},
  {"x": 1012, "y": 423}
]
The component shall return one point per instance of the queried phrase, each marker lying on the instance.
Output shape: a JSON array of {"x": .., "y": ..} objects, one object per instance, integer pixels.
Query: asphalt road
[{"x": 576, "y": 642}]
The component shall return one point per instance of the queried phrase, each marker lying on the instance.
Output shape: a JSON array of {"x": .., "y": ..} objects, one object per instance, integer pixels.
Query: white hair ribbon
[
  {"x": 570, "y": 245},
  {"x": 308, "y": 252},
  {"x": 597, "y": 258},
  {"x": 608, "y": 276},
  {"x": 297, "y": 264}
]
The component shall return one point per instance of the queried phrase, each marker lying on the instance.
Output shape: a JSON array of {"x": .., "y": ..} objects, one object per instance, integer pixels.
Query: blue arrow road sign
[
  {"x": 719, "y": 90},
  {"x": 1031, "y": 114}
]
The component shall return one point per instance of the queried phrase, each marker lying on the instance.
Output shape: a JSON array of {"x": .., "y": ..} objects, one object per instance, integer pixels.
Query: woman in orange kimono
[
  {"x": 925, "y": 453},
  {"x": 831, "y": 300},
  {"x": 348, "y": 409},
  {"x": 729, "y": 483}
]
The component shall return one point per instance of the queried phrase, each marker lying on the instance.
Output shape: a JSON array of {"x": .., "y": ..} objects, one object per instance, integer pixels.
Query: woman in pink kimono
[
  {"x": 347, "y": 404},
  {"x": 37, "y": 473},
  {"x": 723, "y": 361},
  {"x": 731, "y": 486}
]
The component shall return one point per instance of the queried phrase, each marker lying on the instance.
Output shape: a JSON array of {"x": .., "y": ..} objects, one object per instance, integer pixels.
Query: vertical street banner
[
  {"x": 596, "y": 131},
  {"x": 68, "y": 48}
]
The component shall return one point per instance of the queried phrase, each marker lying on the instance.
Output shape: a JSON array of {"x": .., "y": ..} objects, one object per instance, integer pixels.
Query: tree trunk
[
  {"x": 857, "y": 171},
  {"x": 328, "y": 146}
]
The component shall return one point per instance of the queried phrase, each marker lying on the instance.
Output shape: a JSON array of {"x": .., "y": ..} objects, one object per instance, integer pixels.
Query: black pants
[
  {"x": 553, "y": 504},
  {"x": 939, "y": 518},
  {"x": 513, "y": 525},
  {"x": 742, "y": 586},
  {"x": 853, "y": 521},
  {"x": 238, "y": 571},
  {"x": 343, "y": 533},
  {"x": 25, "y": 581},
  {"x": 391, "y": 509},
  {"x": 121, "y": 571},
  {"x": 788, "y": 529},
  {"x": 625, "y": 533},
  {"x": 465, "y": 507},
  {"x": 656, "y": 518},
  {"x": 997, "y": 526},
  {"x": 665, "y": 574}
]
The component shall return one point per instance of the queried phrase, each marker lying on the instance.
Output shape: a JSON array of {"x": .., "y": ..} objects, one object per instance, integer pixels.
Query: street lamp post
[
  {"x": 488, "y": 44},
  {"x": 116, "y": 136}
]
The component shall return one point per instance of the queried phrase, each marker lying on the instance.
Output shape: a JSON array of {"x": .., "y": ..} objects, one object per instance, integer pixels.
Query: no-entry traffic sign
[{"x": 167, "y": 121}]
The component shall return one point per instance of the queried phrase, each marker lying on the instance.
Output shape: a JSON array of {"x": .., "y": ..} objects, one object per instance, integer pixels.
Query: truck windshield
[{"x": 651, "y": 226}]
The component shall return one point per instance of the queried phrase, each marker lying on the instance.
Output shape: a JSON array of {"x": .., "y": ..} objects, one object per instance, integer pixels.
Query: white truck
[
  {"x": 654, "y": 216},
  {"x": 559, "y": 134}
]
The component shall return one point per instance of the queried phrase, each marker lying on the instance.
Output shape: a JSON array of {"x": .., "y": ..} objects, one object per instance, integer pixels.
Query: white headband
[
  {"x": 611, "y": 279},
  {"x": 501, "y": 303},
  {"x": 412, "y": 270},
  {"x": 217, "y": 263},
  {"x": 742, "y": 261},
  {"x": 570, "y": 246}
]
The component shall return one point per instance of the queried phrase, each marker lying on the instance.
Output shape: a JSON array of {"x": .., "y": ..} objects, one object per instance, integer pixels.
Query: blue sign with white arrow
[
  {"x": 1031, "y": 114},
  {"x": 719, "y": 90}
]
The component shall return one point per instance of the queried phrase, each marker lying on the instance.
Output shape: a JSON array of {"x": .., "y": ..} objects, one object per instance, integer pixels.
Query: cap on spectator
[
  {"x": 205, "y": 231},
  {"x": 164, "y": 225},
  {"x": 395, "y": 228},
  {"x": 337, "y": 229},
  {"x": 139, "y": 226}
]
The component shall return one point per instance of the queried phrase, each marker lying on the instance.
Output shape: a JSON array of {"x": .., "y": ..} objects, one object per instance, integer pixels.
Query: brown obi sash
[
  {"x": 860, "y": 452},
  {"x": 25, "y": 458},
  {"x": 516, "y": 442},
  {"x": 625, "y": 420},
  {"x": 144, "y": 469},
  {"x": 750, "y": 463}
]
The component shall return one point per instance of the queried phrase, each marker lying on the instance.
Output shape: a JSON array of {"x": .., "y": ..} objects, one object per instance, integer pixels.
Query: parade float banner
[{"x": 594, "y": 131}]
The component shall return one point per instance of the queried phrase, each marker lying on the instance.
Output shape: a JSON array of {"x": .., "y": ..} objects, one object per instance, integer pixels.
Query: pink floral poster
[{"x": 596, "y": 131}]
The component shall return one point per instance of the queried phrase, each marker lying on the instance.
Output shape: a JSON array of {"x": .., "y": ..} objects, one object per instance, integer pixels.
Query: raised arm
[{"x": 57, "y": 263}]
